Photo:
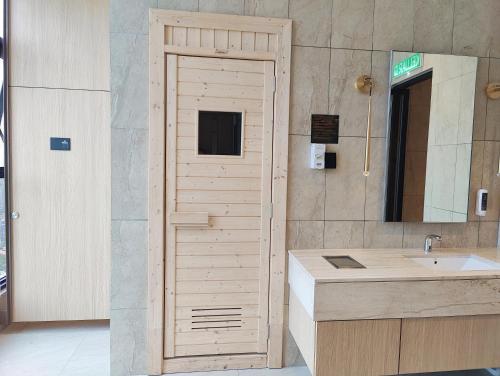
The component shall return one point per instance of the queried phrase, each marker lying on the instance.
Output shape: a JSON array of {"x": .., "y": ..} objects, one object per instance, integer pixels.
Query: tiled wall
[{"x": 334, "y": 41}]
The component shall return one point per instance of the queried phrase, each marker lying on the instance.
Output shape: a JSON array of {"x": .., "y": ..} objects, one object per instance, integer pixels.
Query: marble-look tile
[
  {"x": 414, "y": 234},
  {"x": 345, "y": 185},
  {"x": 352, "y": 22},
  {"x": 383, "y": 235},
  {"x": 476, "y": 29},
  {"x": 129, "y": 80},
  {"x": 188, "y": 5},
  {"x": 128, "y": 342},
  {"x": 267, "y": 8},
  {"x": 312, "y": 22},
  {"x": 393, "y": 25},
  {"x": 291, "y": 353},
  {"x": 481, "y": 100},
  {"x": 309, "y": 86},
  {"x": 433, "y": 26},
  {"x": 129, "y": 174},
  {"x": 476, "y": 177},
  {"x": 208, "y": 373},
  {"x": 288, "y": 371},
  {"x": 460, "y": 235},
  {"x": 129, "y": 257},
  {"x": 375, "y": 182},
  {"x": 222, "y": 6},
  {"x": 306, "y": 187},
  {"x": 490, "y": 180},
  {"x": 347, "y": 102},
  {"x": 344, "y": 234},
  {"x": 304, "y": 234},
  {"x": 380, "y": 93},
  {"x": 488, "y": 234},
  {"x": 130, "y": 16},
  {"x": 493, "y": 107}
]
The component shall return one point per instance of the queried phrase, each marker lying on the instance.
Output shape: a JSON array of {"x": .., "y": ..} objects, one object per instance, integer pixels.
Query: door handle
[
  {"x": 14, "y": 215},
  {"x": 189, "y": 219}
]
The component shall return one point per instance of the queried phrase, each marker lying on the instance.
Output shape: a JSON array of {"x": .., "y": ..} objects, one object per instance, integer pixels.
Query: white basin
[{"x": 456, "y": 263}]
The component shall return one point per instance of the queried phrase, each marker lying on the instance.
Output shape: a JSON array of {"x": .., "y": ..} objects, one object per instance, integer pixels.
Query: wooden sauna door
[{"x": 218, "y": 202}]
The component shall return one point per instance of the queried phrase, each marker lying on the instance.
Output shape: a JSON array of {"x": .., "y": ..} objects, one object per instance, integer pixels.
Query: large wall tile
[
  {"x": 393, "y": 25},
  {"x": 488, "y": 234},
  {"x": 347, "y": 102},
  {"x": 129, "y": 174},
  {"x": 476, "y": 29},
  {"x": 222, "y": 6},
  {"x": 130, "y": 16},
  {"x": 267, "y": 8},
  {"x": 128, "y": 342},
  {"x": 481, "y": 100},
  {"x": 312, "y": 22},
  {"x": 433, "y": 26},
  {"x": 414, "y": 234},
  {"x": 344, "y": 234},
  {"x": 291, "y": 353},
  {"x": 493, "y": 107},
  {"x": 306, "y": 187},
  {"x": 345, "y": 185},
  {"x": 128, "y": 267},
  {"x": 129, "y": 81},
  {"x": 352, "y": 22},
  {"x": 188, "y": 5},
  {"x": 460, "y": 235},
  {"x": 304, "y": 234},
  {"x": 309, "y": 86},
  {"x": 380, "y": 73},
  {"x": 383, "y": 235},
  {"x": 375, "y": 182}
]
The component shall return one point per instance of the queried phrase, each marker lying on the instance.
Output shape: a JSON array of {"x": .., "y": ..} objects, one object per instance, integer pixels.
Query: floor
[{"x": 82, "y": 349}]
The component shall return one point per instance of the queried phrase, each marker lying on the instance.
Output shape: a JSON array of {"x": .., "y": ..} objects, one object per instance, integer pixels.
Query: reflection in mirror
[{"x": 431, "y": 108}]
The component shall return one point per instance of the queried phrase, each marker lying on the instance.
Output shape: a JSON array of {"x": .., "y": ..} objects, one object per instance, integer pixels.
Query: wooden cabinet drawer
[{"x": 449, "y": 343}]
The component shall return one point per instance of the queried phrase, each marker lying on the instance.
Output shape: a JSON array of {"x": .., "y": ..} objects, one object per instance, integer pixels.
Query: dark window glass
[{"x": 219, "y": 133}]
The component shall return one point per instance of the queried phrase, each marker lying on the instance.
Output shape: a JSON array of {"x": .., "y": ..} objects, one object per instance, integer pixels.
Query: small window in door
[{"x": 219, "y": 133}]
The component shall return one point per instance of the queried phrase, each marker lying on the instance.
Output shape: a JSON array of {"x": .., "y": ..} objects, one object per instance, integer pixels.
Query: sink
[{"x": 456, "y": 263}]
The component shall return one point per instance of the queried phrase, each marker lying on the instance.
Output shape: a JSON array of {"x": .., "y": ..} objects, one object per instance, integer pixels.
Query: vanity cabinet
[{"x": 449, "y": 343}]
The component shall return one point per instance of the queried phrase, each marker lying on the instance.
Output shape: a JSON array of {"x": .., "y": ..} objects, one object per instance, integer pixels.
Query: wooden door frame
[{"x": 179, "y": 33}]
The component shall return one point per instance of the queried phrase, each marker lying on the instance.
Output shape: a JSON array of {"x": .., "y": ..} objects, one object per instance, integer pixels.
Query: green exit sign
[{"x": 407, "y": 65}]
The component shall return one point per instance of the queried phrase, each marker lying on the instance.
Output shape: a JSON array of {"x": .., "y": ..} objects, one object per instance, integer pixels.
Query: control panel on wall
[{"x": 324, "y": 130}]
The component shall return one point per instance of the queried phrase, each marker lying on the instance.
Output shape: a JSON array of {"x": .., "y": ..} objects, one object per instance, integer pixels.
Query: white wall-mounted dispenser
[
  {"x": 481, "y": 202},
  {"x": 318, "y": 156}
]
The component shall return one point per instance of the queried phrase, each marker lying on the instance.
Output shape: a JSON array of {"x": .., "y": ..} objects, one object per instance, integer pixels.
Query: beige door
[
  {"x": 219, "y": 158},
  {"x": 61, "y": 237}
]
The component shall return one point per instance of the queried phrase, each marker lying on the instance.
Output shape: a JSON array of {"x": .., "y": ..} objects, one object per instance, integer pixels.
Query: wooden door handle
[{"x": 189, "y": 219}]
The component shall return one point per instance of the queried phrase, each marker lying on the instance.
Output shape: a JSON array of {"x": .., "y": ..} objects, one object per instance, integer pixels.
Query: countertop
[{"x": 386, "y": 265}]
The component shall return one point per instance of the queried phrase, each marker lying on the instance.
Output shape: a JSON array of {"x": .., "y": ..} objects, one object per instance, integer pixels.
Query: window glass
[{"x": 219, "y": 133}]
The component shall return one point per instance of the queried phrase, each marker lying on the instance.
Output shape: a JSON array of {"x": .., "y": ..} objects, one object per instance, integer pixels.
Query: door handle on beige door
[
  {"x": 14, "y": 215},
  {"x": 189, "y": 219}
]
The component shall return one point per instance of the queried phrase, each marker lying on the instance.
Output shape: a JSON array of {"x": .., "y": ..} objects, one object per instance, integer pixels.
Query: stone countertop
[{"x": 386, "y": 265}]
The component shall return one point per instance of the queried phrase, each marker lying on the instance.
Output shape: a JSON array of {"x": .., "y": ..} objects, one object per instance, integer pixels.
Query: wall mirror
[{"x": 430, "y": 123}]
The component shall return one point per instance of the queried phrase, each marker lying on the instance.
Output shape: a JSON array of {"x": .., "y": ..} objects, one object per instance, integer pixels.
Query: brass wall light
[
  {"x": 493, "y": 91},
  {"x": 365, "y": 85}
]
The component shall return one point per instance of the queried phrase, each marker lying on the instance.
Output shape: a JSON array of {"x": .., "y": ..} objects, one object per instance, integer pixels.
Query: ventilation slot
[{"x": 216, "y": 318}]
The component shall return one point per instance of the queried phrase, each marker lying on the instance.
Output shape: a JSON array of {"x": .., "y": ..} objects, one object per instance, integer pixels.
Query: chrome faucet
[{"x": 428, "y": 242}]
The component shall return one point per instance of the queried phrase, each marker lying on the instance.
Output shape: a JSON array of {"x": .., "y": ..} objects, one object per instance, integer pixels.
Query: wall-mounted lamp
[
  {"x": 365, "y": 85},
  {"x": 493, "y": 91}
]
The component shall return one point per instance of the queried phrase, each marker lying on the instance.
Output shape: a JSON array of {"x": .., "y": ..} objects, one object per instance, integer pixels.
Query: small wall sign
[
  {"x": 59, "y": 143},
  {"x": 324, "y": 129},
  {"x": 407, "y": 65}
]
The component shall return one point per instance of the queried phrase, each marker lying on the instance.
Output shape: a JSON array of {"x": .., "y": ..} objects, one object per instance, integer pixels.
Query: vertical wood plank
[
  {"x": 156, "y": 195},
  {"x": 169, "y": 35},
  {"x": 273, "y": 43},
  {"x": 261, "y": 41},
  {"x": 171, "y": 193},
  {"x": 194, "y": 37},
  {"x": 234, "y": 40},
  {"x": 180, "y": 36},
  {"x": 221, "y": 39},
  {"x": 248, "y": 41},
  {"x": 267, "y": 164},
  {"x": 278, "y": 223},
  {"x": 207, "y": 38}
]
